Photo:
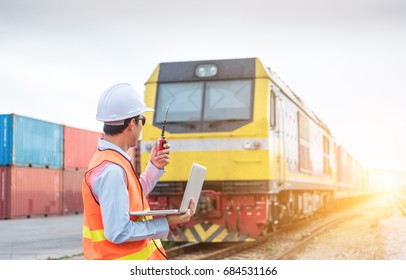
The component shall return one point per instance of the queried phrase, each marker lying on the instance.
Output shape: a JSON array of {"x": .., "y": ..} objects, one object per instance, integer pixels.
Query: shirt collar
[{"x": 106, "y": 145}]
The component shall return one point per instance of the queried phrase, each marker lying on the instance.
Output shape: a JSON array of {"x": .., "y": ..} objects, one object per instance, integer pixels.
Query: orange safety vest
[{"x": 95, "y": 245}]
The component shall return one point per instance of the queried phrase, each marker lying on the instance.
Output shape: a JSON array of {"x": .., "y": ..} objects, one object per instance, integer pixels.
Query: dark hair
[{"x": 116, "y": 129}]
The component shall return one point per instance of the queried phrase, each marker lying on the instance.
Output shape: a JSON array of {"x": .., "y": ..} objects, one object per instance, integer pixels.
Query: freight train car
[
  {"x": 269, "y": 158},
  {"x": 351, "y": 175}
]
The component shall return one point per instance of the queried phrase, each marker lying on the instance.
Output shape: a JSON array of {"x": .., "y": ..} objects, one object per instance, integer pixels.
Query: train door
[
  {"x": 280, "y": 139},
  {"x": 278, "y": 155}
]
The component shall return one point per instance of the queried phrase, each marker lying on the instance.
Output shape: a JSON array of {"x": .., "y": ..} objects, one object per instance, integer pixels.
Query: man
[{"x": 111, "y": 188}]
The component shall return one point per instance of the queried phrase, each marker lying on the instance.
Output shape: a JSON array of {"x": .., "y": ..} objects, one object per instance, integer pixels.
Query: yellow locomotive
[{"x": 269, "y": 158}]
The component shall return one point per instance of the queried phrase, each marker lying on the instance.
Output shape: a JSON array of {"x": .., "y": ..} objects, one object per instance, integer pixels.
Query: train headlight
[
  {"x": 247, "y": 145},
  {"x": 251, "y": 145},
  {"x": 206, "y": 70}
]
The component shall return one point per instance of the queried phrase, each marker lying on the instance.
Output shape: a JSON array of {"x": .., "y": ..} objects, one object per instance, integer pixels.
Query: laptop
[{"x": 193, "y": 188}]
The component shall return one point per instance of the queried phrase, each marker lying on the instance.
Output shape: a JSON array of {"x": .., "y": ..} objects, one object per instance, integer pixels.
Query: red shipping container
[
  {"x": 72, "y": 191},
  {"x": 31, "y": 191},
  {"x": 79, "y": 145},
  {"x": 4, "y": 192}
]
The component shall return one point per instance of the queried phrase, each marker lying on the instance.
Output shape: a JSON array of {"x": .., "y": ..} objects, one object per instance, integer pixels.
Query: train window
[
  {"x": 184, "y": 100},
  {"x": 205, "y": 106},
  {"x": 228, "y": 100}
]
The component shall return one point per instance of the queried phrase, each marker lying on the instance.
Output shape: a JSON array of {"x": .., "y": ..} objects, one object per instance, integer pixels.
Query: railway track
[
  {"x": 248, "y": 250},
  {"x": 196, "y": 250},
  {"x": 264, "y": 247},
  {"x": 302, "y": 244}
]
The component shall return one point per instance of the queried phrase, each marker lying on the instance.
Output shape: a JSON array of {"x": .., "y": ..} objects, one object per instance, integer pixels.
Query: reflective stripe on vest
[
  {"x": 146, "y": 252},
  {"x": 95, "y": 245}
]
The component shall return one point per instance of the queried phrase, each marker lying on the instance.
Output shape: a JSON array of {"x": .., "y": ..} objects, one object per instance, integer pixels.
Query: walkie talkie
[{"x": 162, "y": 140}]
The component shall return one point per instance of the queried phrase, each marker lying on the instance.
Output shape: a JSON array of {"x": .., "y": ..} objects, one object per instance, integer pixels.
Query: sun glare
[{"x": 386, "y": 181}]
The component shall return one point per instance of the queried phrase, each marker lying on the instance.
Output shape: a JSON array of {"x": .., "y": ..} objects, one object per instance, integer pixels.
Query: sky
[{"x": 345, "y": 59}]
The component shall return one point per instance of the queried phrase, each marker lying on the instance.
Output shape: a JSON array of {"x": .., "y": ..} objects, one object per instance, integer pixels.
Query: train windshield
[{"x": 204, "y": 106}]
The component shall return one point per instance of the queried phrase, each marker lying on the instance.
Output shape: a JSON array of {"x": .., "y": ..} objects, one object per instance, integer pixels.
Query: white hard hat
[{"x": 120, "y": 102}]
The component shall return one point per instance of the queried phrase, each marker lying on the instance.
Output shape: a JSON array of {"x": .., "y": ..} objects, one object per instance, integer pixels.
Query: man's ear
[{"x": 132, "y": 124}]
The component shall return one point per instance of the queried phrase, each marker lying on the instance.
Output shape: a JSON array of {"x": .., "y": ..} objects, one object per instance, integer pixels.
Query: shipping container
[
  {"x": 72, "y": 191},
  {"x": 5, "y": 192},
  {"x": 6, "y": 139},
  {"x": 30, "y": 142},
  {"x": 79, "y": 146},
  {"x": 31, "y": 191}
]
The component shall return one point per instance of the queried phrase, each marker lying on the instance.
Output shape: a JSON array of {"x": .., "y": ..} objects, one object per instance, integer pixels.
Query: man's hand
[
  {"x": 161, "y": 158},
  {"x": 183, "y": 218}
]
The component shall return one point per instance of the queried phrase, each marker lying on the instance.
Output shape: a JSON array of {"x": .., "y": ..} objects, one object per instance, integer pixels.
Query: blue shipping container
[
  {"x": 30, "y": 142},
  {"x": 6, "y": 138}
]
